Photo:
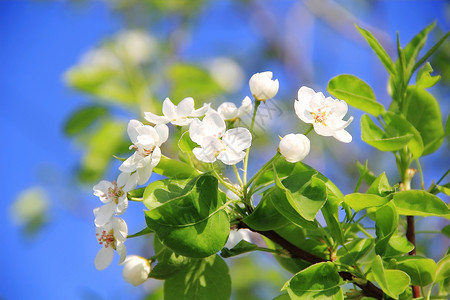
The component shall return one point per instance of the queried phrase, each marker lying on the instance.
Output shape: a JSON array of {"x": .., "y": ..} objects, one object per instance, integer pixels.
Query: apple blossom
[
  {"x": 262, "y": 86},
  {"x": 217, "y": 143},
  {"x": 136, "y": 269},
  {"x": 324, "y": 113},
  {"x": 114, "y": 196},
  {"x": 146, "y": 141},
  {"x": 111, "y": 236},
  {"x": 294, "y": 147},
  {"x": 228, "y": 110},
  {"x": 179, "y": 115}
]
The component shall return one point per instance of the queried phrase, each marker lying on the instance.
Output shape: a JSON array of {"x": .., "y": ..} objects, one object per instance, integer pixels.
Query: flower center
[
  {"x": 115, "y": 193},
  {"x": 320, "y": 116},
  {"x": 106, "y": 238}
]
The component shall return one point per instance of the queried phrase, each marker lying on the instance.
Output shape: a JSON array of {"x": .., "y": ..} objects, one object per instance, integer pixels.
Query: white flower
[
  {"x": 236, "y": 236},
  {"x": 227, "y": 73},
  {"x": 262, "y": 86},
  {"x": 114, "y": 196},
  {"x": 100, "y": 58},
  {"x": 217, "y": 143},
  {"x": 179, "y": 115},
  {"x": 111, "y": 237},
  {"x": 229, "y": 111},
  {"x": 136, "y": 269},
  {"x": 324, "y": 113},
  {"x": 294, "y": 147},
  {"x": 135, "y": 45},
  {"x": 146, "y": 141}
]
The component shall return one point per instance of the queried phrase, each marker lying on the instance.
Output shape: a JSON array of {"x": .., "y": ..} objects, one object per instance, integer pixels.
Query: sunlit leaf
[
  {"x": 356, "y": 93},
  {"x": 421, "y": 270},
  {"x": 319, "y": 281},
  {"x": 242, "y": 247},
  {"x": 359, "y": 201},
  {"x": 424, "y": 79},
  {"x": 420, "y": 203},
  {"x": 205, "y": 278},
  {"x": 83, "y": 118},
  {"x": 392, "y": 282},
  {"x": 175, "y": 169},
  {"x": 386, "y": 223}
]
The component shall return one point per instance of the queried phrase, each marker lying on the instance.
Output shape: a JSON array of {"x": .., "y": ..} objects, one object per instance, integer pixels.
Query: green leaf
[
  {"x": 424, "y": 79},
  {"x": 445, "y": 189},
  {"x": 421, "y": 270},
  {"x": 365, "y": 173},
  {"x": 355, "y": 92},
  {"x": 169, "y": 263},
  {"x": 386, "y": 223},
  {"x": 376, "y": 137},
  {"x": 242, "y": 247},
  {"x": 354, "y": 250},
  {"x": 266, "y": 216},
  {"x": 136, "y": 194},
  {"x": 446, "y": 230},
  {"x": 175, "y": 169},
  {"x": 415, "y": 45},
  {"x": 189, "y": 220},
  {"x": 100, "y": 149},
  {"x": 398, "y": 245},
  {"x": 420, "y": 203},
  {"x": 380, "y": 186},
  {"x": 305, "y": 193},
  {"x": 205, "y": 278},
  {"x": 188, "y": 79},
  {"x": 392, "y": 282},
  {"x": 359, "y": 201},
  {"x": 397, "y": 125},
  {"x": 443, "y": 269},
  {"x": 185, "y": 143},
  {"x": 430, "y": 52},
  {"x": 422, "y": 110},
  {"x": 379, "y": 50},
  {"x": 319, "y": 281},
  {"x": 83, "y": 118},
  {"x": 144, "y": 231}
]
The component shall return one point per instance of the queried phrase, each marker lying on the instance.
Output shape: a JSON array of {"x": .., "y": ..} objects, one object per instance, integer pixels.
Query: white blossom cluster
[{"x": 208, "y": 129}]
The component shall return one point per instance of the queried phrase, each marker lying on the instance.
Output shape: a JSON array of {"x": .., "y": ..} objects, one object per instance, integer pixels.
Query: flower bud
[
  {"x": 262, "y": 86},
  {"x": 294, "y": 147},
  {"x": 136, "y": 269}
]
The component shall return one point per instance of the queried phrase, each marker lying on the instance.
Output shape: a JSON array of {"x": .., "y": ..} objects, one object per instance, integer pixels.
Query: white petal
[
  {"x": 122, "y": 251},
  {"x": 212, "y": 125},
  {"x": 104, "y": 214},
  {"x": 340, "y": 108},
  {"x": 163, "y": 133},
  {"x": 201, "y": 111},
  {"x": 294, "y": 147},
  {"x": 144, "y": 174},
  {"x": 185, "y": 107},
  {"x": 246, "y": 107},
  {"x": 133, "y": 125},
  {"x": 169, "y": 109},
  {"x": 202, "y": 155},
  {"x": 237, "y": 139},
  {"x": 155, "y": 119},
  {"x": 302, "y": 113},
  {"x": 182, "y": 121},
  {"x": 305, "y": 94},
  {"x": 343, "y": 136},
  {"x": 323, "y": 130},
  {"x": 101, "y": 190},
  {"x": 120, "y": 229},
  {"x": 130, "y": 184},
  {"x": 122, "y": 205},
  {"x": 231, "y": 157},
  {"x": 104, "y": 258},
  {"x": 227, "y": 110},
  {"x": 129, "y": 165},
  {"x": 156, "y": 157}
]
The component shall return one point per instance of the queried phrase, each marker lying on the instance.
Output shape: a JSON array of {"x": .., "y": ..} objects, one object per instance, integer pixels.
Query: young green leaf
[
  {"x": 430, "y": 52},
  {"x": 424, "y": 79},
  {"x": 422, "y": 110},
  {"x": 379, "y": 50},
  {"x": 386, "y": 223},
  {"x": 421, "y": 270},
  {"x": 355, "y": 92},
  {"x": 169, "y": 263},
  {"x": 376, "y": 137},
  {"x": 380, "y": 186},
  {"x": 319, "y": 281},
  {"x": 242, "y": 247},
  {"x": 354, "y": 251},
  {"x": 415, "y": 45},
  {"x": 175, "y": 169},
  {"x": 398, "y": 245},
  {"x": 359, "y": 201},
  {"x": 189, "y": 220},
  {"x": 443, "y": 269},
  {"x": 83, "y": 118},
  {"x": 392, "y": 282},
  {"x": 205, "y": 278},
  {"x": 365, "y": 173},
  {"x": 420, "y": 203}
]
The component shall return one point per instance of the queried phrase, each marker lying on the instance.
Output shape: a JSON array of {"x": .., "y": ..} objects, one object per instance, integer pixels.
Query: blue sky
[{"x": 42, "y": 39}]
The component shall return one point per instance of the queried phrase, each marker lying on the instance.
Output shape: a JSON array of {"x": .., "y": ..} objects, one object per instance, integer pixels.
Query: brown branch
[
  {"x": 411, "y": 236},
  {"x": 368, "y": 288}
]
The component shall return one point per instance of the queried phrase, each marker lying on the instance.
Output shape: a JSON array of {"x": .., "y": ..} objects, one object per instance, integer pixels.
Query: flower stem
[
  {"x": 238, "y": 176},
  {"x": 247, "y": 152},
  {"x": 308, "y": 130}
]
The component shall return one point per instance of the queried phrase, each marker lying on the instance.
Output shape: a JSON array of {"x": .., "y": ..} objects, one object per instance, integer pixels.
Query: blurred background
[{"x": 74, "y": 72}]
